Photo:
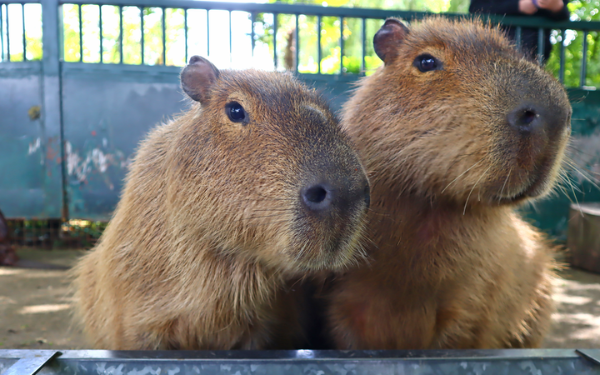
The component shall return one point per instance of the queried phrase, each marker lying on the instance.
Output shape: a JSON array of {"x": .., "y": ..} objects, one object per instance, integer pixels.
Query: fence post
[{"x": 55, "y": 201}]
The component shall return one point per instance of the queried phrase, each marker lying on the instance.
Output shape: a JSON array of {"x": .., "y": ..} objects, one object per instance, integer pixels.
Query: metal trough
[{"x": 455, "y": 362}]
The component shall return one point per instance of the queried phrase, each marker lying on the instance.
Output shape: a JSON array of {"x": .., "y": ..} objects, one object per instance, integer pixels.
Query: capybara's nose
[
  {"x": 531, "y": 118},
  {"x": 339, "y": 197}
]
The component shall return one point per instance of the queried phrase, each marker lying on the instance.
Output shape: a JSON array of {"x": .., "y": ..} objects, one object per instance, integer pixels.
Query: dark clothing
[{"x": 529, "y": 37}]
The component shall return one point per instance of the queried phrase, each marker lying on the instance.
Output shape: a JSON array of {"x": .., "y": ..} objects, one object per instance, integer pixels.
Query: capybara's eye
[
  {"x": 426, "y": 63},
  {"x": 235, "y": 112}
]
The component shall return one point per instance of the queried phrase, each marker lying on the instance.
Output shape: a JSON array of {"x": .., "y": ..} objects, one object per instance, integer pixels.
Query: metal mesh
[{"x": 54, "y": 233}]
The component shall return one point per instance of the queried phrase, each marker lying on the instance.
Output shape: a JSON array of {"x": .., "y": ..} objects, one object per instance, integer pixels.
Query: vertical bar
[
  {"x": 561, "y": 71},
  {"x": 230, "y": 44},
  {"x": 164, "y": 35},
  {"x": 2, "y": 32},
  {"x": 61, "y": 32},
  {"x": 185, "y": 33},
  {"x": 275, "y": 40},
  {"x": 80, "y": 34},
  {"x": 297, "y": 35},
  {"x": 518, "y": 37},
  {"x": 7, "y": 34},
  {"x": 584, "y": 59},
  {"x": 24, "y": 39},
  {"x": 319, "y": 50},
  {"x": 540, "y": 45},
  {"x": 207, "y": 34},
  {"x": 252, "y": 36},
  {"x": 341, "y": 45},
  {"x": 100, "y": 28},
  {"x": 363, "y": 67},
  {"x": 142, "y": 35},
  {"x": 54, "y": 181},
  {"x": 120, "y": 34}
]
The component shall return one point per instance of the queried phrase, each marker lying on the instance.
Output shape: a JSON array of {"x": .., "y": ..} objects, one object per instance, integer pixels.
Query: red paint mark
[
  {"x": 94, "y": 133},
  {"x": 58, "y": 160},
  {"x": 50, "y": 153}
]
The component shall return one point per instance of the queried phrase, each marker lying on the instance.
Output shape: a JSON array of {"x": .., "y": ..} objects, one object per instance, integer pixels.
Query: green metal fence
[{"x": 15, "y": 12}]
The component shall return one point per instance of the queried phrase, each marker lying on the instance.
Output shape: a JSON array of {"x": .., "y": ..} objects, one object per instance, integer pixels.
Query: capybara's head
[
  {"x": 458, "y": 114},
  {"x": 263, "y": 170}
]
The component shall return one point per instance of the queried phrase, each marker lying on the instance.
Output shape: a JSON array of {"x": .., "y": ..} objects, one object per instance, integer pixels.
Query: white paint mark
[{"x": 33, "y": 147}]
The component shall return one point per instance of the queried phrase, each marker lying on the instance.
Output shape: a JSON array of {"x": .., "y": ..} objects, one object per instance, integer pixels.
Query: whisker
[
  {"x": 505, "y": 181},
  {"x": 469, "y": 196},
  {"x": 460, "y": 175}
]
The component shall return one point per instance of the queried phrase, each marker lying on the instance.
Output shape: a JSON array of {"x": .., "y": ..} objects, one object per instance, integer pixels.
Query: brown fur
[
  {"x": 208, "y": 238},
  {"x": 452, "y": 264}
]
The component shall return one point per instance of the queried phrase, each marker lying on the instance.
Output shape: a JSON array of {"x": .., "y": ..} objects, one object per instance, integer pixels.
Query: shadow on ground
[{"x": 36, "y": 307}]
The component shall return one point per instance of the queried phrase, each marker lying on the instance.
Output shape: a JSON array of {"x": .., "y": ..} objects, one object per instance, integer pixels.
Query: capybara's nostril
[
  {"x": 316, "y": 197},
  {"x": 528, "y": 116},
  {"x": 524, "y": 118}
]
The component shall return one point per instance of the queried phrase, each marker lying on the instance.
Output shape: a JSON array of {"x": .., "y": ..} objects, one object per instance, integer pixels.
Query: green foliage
[{"x": 586, "y": 10}]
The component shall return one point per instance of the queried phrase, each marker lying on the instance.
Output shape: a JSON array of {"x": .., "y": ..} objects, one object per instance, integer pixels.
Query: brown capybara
[
  {"x": 252, "y": 187},
  {"x": 455, "y": 131}
]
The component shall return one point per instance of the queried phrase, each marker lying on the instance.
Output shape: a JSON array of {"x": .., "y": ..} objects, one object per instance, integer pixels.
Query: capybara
[
  {"x": 252, "y": 187},
  {"x": 455, "y": 130}
]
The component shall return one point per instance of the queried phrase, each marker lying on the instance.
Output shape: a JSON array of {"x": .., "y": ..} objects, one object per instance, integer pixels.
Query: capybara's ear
[
  {"x": 198, "y": 77},
  {"x": 387, "y": 40}
]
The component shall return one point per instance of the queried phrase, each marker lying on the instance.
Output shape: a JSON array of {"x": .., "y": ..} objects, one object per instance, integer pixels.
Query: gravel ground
[{"x": 35, "y": 307}]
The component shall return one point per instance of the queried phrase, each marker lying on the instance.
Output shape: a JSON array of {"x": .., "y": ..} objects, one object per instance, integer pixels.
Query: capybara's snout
[
  {"x": 536, "y": 131},
  {"x": 335, "y": 196},
  {"x": 331, "y": 210},
  {"x": 533, "y": 119}
]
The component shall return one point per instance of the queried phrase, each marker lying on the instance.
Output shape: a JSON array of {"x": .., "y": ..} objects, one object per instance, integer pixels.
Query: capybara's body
[
  {"x": 223, "y": 208},
  {"x": 455, "y": 130}
]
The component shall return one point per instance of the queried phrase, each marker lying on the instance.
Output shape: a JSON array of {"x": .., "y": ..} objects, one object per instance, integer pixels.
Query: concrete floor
[{"x": 36, "y": 308}]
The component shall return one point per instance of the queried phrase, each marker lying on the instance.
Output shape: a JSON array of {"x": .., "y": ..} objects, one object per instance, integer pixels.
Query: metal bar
[
  {"x": 120, "y": 34},
  {"x": 2, "y": 32},
  {"x": 252, "y": 36},
  {"x": 61, "y": 32},
  {"x": 23, "y": 27},
  {"x": 319, "y": 47},
  {"x": 142, "y": 34},
  {"x": 363, "y": 67},
  {"x": 314, "y": 10},
  {"x": 518, "y": 37},
  {"x": 100, "y": 28},
  {"x": 80, "y": 34},
  {"x": 207, "y": 33},
  {"x": 142, "y": 37},
  {"x": 30, "y": 365},
  {"x": 7, "y": 34},
  {"x": 55, "y": 176},
  {"x": 583, "y": 59},
  {"x": 275, "y": 40},
  {"x": 185, "y": 33},
  {"x": 540, "y": 46},
  {"x": 297, "y": 35},
  {"x": 561, "y": 71},
  {"x": 230, "y": 44},
  {"x": 164, "y": 35},
  {"x": 341, "y": 45}
]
